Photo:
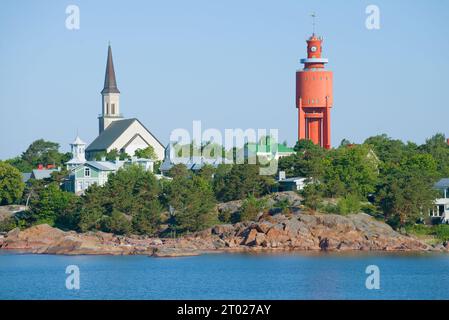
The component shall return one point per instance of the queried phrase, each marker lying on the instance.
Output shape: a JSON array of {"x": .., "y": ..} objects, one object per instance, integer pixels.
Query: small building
[
  {"x": 440, "y": 211},
  {"x": 267, "y": 149},
  {"x": 85, "y": 173},
  {"x": 290, "y": 184},
  {"x": 194, "y": 163},
  {"x": 42, "y": 172}
]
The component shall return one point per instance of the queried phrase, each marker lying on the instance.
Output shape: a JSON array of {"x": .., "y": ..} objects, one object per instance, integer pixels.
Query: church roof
[
  {"x": 110, "y": 84},
  {"x": 110, "y": 134}
]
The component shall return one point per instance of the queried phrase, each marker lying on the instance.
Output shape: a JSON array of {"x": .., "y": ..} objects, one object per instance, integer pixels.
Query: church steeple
[
  {"x": 110, "y": 84},
  {"x": 111, "y": 96}
]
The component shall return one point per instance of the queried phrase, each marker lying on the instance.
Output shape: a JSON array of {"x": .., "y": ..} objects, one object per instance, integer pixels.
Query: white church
[{"x": 115, "y": 132}]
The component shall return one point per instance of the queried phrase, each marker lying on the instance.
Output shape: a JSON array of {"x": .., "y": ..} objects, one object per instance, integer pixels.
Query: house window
[{"x": 87, "y": 172}]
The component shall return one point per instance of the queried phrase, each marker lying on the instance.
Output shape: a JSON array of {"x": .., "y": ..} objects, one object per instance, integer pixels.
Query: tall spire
[{"x": 110, "y": 84}]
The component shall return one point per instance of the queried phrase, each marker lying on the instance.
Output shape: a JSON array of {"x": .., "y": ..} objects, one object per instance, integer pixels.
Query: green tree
[
  {"x": 405, "y": 190},
  {"x": 251, "y": 207},
  {"x": 438, "y": 147},
  {"x": 313, "y": 196},
  {"x": 389, "y": 150},
  {"x": 111, "y": 155},
  {"x": 116, "y": 223},
  {"x": 11, "y": 185},
  {"x": 148, "y": 219},
  {"x": 350, "y": 170},
  {"x": 93, "y": 208},
  {"x": 147, "y": 153},
  {"x": 306, "y": 162},
  {"x": 179, "y": 170},
  {"x": 349, "y": 204},
  {"x": 193, "y": 203},
  {"x": 44, "y": 152},
  {"x": 40, "y": 152},
  {"x": 207, "y": 172},
  {"x": 50, "y": 203},
  {"x": 240, "y": 181},
  {"x": 132, "y": 191}
]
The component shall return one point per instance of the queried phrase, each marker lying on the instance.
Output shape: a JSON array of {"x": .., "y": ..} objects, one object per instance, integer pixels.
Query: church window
[
  {"x": 113, "y": 108},
  {"x": 107, "y": 108},
  {"x": 87, "y": 172}
]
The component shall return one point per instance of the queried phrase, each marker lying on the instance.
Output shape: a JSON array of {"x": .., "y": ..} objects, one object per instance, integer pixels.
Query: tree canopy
[{"x": 11, "y": 185}]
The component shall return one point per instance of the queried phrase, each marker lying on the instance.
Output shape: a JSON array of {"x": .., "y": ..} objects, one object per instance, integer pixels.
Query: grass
[{"x": 431, "y": 234}]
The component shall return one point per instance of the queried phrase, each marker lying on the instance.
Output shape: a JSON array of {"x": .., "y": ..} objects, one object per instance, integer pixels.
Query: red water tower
[{"x": 314, "y": 96}]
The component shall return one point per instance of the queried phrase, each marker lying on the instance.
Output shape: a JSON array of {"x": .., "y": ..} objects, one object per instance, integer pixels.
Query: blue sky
[{"x": 230, "y": 64}]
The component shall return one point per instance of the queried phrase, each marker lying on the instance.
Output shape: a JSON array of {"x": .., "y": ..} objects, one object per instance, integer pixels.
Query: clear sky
[{"x": 228, "y": 63}]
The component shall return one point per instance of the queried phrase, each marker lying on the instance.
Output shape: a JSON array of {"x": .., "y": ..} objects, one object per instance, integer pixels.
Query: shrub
[
  {"x": 148, "y": 219},
  {"x": 349, "y": 204},
  {"x": 329, "y": 208},
  {"x": 225, "y": 216},
  {"x": 419, "y": 229},
  {"x": 284, "y": 206},
  {"x": 117, "y": 223},
  {"x": 442, "y": 232},
  {"x": 369, "y": 208},
  {"x": 251, "y": 208},
  {"x": 8, "y": 224}
]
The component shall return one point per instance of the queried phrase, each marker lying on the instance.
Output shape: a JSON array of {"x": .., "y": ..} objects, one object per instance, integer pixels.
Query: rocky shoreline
[{"x": 293, "y": 232}]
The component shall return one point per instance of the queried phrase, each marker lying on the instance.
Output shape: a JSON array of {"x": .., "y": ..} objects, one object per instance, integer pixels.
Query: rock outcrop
[{"x": 297, "y": 232}]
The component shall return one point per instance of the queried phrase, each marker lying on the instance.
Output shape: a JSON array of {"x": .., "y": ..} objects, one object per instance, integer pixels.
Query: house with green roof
[{"x": 267, "y": 148}]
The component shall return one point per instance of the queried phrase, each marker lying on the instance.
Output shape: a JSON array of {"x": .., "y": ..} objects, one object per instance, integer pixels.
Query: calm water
[{"x": 225, "y": 276}]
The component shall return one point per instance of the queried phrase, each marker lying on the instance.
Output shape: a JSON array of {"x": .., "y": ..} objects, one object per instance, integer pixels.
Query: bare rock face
[
  {"x": 299, "y": 232},
  {"x": 325, "y": 232},
  {"x": 45, "y": 239}
]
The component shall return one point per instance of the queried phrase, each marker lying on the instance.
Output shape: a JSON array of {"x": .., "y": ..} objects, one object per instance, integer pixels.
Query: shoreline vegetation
[{"x": 370, "y": 196}]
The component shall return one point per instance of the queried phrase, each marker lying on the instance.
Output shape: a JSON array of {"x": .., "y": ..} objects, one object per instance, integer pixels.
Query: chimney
[
  {"x": 281, "y": 175},
  {"x": 103, "y": 158},
  {"x": 447, "y": 141},
  {"x": 117, "y": 159}
]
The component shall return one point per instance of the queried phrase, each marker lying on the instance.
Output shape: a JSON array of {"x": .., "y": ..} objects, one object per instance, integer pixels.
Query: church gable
[{"x": 136, "y": 136}]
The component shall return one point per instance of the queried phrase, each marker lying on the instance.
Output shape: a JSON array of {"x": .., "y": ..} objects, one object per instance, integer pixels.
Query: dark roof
[
  {"x": 110, "y": 84},
  {"x": 442, "y": 184},
  {"x": 26, "y": 176},
  {"x": 110, "y": 134}
]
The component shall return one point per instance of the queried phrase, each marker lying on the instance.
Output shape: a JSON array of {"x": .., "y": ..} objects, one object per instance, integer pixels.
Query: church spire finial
[{"x": 110, "y": 84}]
